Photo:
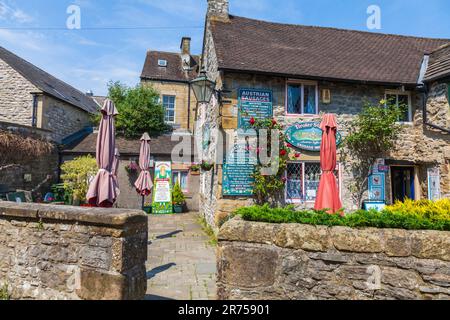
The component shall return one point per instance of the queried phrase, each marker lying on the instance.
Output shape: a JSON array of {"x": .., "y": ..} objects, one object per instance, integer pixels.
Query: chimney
[
  {"x": 90, "y": 93},
  {"x": 218, "y": 10},
  {"x": 185, "y": 46},
  {"x": 186, "y": 53}
]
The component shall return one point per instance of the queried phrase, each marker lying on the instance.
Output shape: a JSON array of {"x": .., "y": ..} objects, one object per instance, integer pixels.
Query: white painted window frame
[
  {"x": 178, "y": 173},
  {"x": 402, "y": 93},
  {"x": 174, "y": 108},
  {"x": 302, "y": 83}
]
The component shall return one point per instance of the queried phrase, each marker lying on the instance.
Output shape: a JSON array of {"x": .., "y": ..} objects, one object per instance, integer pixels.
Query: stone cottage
[
  {"x": 170, "y": 74},
  {"x": 31, "y": 97},
  {"x": 33, "y": 103},
  {"x": 294, "y": 73}
]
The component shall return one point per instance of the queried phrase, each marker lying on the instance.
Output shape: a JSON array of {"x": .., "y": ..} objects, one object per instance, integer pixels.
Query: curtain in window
[
  {"x": 183, "y": 182},
  {"x": 310, "y": 100},
  {"x": 294, "y": 99}
]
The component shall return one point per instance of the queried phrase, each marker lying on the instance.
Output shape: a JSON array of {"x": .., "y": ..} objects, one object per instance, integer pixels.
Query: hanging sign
[
  {"x": 237, "y": 172},
  {"x": 434, "y": 184},
  {"x": 254, "y": 103},
  {"x": 307, "y": 136},
  {"x": 377, "y": 187},
  {"x": 162, "y": 196}
]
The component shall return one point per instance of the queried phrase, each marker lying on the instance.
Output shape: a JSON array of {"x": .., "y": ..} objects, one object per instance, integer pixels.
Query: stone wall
[
  {"x": 56, "y": 252},
  {"x": 301, "y": 262},
  {"x": 61, "y": 118},
  {"x": 16, "y": 100},
  {"x": 181, "y": 92}
]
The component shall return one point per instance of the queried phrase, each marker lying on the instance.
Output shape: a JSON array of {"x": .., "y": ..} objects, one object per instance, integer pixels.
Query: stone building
[
  {"x": 302, "y": 72},
  {"x": 31, "y": 97},
  {"x": 170, "y": 74},
  {"x": 161, "y": 150}
]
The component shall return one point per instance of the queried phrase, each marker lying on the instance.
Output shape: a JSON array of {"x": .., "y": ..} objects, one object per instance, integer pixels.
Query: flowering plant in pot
[
  {"x": 195, "y": 169},
  {"x": 178, "y": 199},
  {"x": 132, "y": 167}
]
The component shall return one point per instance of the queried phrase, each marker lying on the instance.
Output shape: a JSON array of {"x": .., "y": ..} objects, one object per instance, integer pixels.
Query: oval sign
[{"x": 307, "y": 136}]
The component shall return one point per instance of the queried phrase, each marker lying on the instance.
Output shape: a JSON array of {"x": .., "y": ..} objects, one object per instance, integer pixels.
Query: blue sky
[{"x": 88, "y": 59}]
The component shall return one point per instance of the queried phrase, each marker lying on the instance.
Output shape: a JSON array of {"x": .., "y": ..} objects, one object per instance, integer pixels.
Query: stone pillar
[{"x": 218, "y": 10}]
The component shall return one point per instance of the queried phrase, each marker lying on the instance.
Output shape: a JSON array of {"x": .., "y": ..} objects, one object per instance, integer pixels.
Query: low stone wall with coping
[
  {"x": 58, "y": 252},
  {"x": 303, "y": 262}
]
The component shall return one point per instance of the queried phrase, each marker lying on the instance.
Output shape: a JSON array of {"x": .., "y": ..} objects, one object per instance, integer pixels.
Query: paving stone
[{"x": 181, "y": 263}]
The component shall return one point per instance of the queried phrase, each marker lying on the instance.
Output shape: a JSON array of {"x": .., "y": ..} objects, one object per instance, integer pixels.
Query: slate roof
[
  {"x": 249, "y": 45},
  {"x": 48, "y": 83},
  {"x": 162, "y": 146},
  {"x": 439, "y": 64},
  {"x": 174, "y": 70}
]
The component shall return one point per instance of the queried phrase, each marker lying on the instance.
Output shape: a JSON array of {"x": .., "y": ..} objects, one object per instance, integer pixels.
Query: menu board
[
  {"x": 254, "y": 103},
  {"x": 162, "y": 196},
  {"x": 434, "y": 184},
  {"x": 238, "y": 170}
]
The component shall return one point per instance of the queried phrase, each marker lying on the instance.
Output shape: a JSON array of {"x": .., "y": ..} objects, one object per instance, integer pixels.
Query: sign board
[
  {"x": 162, "y": 196},
  {"x": 254, "y": 103},
  {"x": 377, "y": 187},
  {"x": 307, "y": 136},
  {"x": 434, "y": 184},
  {"x": 237, "y": 174}
]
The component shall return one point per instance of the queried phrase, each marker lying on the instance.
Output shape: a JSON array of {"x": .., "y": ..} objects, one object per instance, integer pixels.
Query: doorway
[{"x": 402, "y": 183}]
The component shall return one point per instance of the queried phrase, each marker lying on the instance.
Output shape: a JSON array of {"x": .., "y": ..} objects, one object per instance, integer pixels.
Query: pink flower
[
  {"x": 283, "y": 152},
  {"x": 298, "y": 155},
  {"x": 274, "y": 122},
  {"x": 252, "y": 121}
]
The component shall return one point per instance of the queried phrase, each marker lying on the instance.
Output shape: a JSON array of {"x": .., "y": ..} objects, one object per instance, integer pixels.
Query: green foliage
[
  {"x": 270, "y": 188},
  {"x": 4, "y": 293},
  {"x": 178, "y": 197},
  {"x": 206, "y": 166},
  {"x": 139, "y": 110},
  {"x": 393, "y": 219},
  {"x": 433, "y": 210},
  {"x": 372, "y": 135},
  {"x": 76, "y": 175},
  {"x": 208, "y": 230}
]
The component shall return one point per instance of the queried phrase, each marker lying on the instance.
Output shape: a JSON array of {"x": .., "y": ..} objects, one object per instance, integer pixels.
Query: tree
[
  {"x": 139, "y": 110},
  {"x": 76, "y": 175},
  {"x": 372, "y": 135}
]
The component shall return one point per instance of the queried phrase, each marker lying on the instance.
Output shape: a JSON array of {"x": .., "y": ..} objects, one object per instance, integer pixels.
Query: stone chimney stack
[
  {"x": 185, "y": 46},
  {"x": 218, "y": 10},
  {"x": 186, "y": 53}
]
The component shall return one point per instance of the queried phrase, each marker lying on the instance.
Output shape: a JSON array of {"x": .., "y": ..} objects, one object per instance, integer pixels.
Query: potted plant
[
  {"x": 195, "y": 170},
  {"x": 206, "y": 166},
  {"x": 148, "y": 208},
  {"x": 178, "y": 199},
  {"x": 132, "y": 168}
]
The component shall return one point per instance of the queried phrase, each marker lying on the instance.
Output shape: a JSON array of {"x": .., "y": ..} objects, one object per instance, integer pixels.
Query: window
[
  {"x": 169, "y": 108},
  {"x": 302, "y": 98},
  {"x": 402, "y": 100},
  {"x": 162, "y": 63},
  {"x": 302, "y": 181},
  {"x": 181, "y": 177}
]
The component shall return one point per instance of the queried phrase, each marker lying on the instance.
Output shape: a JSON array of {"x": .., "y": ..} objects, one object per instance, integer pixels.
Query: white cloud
[{"x": 10, "y": 13}]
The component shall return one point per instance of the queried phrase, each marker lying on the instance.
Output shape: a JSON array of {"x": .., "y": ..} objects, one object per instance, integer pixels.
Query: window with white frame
[
  {"x": 181, "y": 177},
  {"x": 403, "y": 100},
  {"x": 302, "y": 98},
  {"x": 169, "y": 108},
  {"x": 302, "y": 181}
]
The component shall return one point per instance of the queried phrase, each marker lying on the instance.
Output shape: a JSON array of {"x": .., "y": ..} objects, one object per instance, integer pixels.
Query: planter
[
  {"x": 177, "y": 208},
  {"x": 148, "y": 210},
  {"x": 195, "y": 173}
]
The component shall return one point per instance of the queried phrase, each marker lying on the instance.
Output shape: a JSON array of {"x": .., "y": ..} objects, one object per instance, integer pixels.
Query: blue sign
[
  {"x": 238, "y": 172},
  {"x": 377, "y": 187},
  {"x": 254, "y": 103},
  {"x": 307, "y": 136}
]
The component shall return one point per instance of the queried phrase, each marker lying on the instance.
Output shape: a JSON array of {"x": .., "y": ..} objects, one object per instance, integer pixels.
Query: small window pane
[
  {"x": 312, "y": 180},
  {"x": 294, "y": 183},
  {"x": 391, "y": 100},
  {"x": 310, "y": 99},
  {"x": 403, "y": 103},
  {"x": 294, "y": 99},
  {"x": 184, "y": 180}
]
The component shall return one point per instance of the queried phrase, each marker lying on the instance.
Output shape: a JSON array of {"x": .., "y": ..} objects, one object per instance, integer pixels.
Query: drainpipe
[
  {"x": 189, "y": 107},
  {"x": 424, "y": 89}
]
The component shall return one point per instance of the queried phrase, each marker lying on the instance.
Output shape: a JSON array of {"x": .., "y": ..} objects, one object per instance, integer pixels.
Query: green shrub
[
  {"x": 4, "y": 293},
  {"x": 178, "y": 197},
  {"x": 76, "y": 175},
  {"x": 359, "y": 219}
]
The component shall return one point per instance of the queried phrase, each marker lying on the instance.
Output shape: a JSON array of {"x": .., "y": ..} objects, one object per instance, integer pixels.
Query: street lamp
[{"x": 203, "y": 88}]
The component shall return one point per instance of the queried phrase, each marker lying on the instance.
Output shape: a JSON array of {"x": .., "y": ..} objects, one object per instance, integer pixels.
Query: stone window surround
[
  {"x": 400, "y": 92},
  {"x": 339, "y": 170},
  {"x": 174, "y": 108},
  {"x": 302, "y": 82}
]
